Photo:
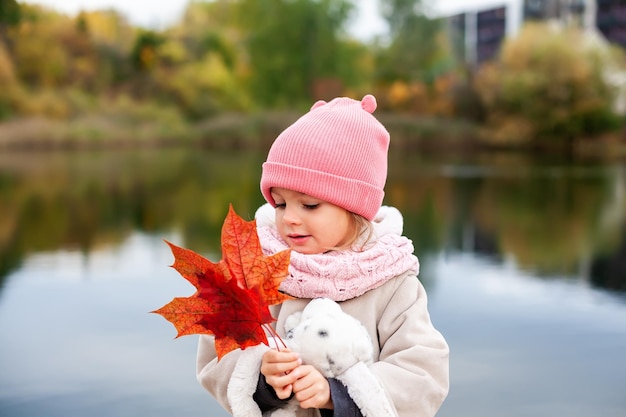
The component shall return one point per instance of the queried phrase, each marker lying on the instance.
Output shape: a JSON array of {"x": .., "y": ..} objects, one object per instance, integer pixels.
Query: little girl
[{"x": 323, "y": 181}]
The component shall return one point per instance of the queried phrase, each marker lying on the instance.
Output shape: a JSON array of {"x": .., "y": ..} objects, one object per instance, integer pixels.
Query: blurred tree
[
  {"x": 415, "y": 45},
  {"x": 7, "y": 73},
  {"x": 8, "y": 83},
  {"x": 202, "y": 61},
  {"x": 144, "y": 53},
  {"x": 9, "y": 16},
  {"x": 55, "y": 51},
  {"x": 548, "y": 83},
  {"x": 507, "y": 208},
  {"x": 113, "y": 39},
  {"x": 83, "y": 59},
  {"x": 210, "y": 27},
  {"x": 293, "y": 43},
  {"x": 202, "y": 88},
  {"x": 40, "y": 57},
  {"x": 414, "y": 61},
  {"x": 108, "y": 27}
]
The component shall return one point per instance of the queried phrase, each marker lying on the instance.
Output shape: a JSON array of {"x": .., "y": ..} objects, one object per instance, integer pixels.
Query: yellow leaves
[
  {"x": 173, "y": 51},
  {"x": 399, "y": 94},
  {"x": 555, "y": 53},
  {"x": 147, "y": 56},
  {"x": 546, "y": 84},
  {"x": 109, "y": 27},
  {"x": 7, "y": 72},
  {"x": 203, "y": 85},
  {"x": 419, "y": 98}
]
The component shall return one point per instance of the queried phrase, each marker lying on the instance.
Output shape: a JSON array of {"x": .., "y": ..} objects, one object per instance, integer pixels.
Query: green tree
[
  {"x": 291, "y": 44},
  {"x": 414, "y": 49},
  {"x": 9, "y": 16},
  {"x": 41, "y": 59},
  {"x": 53, "y": 50},
  {"x": 202, "y": 61},
  {"x": 144, "y": 54},
  {"x": 210, "y": 27},
  {"x": 8, "y": 83},
  {"x": 112, "y": 39}
]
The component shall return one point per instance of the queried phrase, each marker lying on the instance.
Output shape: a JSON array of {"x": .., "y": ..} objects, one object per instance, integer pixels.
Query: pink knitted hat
[{"x": 336, "y": 152}]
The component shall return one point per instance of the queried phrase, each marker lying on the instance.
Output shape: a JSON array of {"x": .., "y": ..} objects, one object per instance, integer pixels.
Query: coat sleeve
[
  {"x": 234, "y": 379},
  {"x": 343, "y": 404},
  {"x": 214, "y": 376},
  {"x": 413, "y": 363}
]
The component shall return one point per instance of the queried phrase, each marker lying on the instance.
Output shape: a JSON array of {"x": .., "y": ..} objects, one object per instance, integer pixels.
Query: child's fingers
[
  {"x": 279, "y": 362},
  {"x": 282, "y": 383},
  {"x": 311, "y": 388},
  {"x": 284, "y": 392},
  {"x": 278, "y": 367},
  {"x": 286, "y": 355}
]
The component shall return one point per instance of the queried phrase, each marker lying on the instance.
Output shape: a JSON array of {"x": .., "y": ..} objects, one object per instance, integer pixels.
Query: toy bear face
[{"x": 328, "y": 338}]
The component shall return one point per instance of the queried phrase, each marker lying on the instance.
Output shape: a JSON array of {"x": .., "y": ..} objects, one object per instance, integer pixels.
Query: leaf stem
[{"x": 275, "y": 335}]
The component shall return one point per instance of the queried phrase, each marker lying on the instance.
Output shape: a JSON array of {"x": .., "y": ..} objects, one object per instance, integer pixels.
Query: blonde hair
[{"x": 361, "y": 233}]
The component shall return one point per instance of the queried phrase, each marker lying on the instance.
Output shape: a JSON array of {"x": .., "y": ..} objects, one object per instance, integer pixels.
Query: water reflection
[
  {"x": 522, "y": 346},
  {"x": 82, "y": 201},
  {"x": 524, "y": 261},
  {"x": 78, "y": 339}
]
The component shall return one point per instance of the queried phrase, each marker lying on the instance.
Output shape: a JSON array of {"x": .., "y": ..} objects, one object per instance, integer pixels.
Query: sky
[{"x": 159, "y": 14}]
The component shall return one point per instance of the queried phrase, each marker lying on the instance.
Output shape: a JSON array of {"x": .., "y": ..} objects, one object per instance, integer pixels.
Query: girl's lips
[{"x": 298, "y": 238}]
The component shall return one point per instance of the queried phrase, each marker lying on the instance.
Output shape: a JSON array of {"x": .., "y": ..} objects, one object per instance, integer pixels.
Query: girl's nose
[{"x": 290, "y": 216}]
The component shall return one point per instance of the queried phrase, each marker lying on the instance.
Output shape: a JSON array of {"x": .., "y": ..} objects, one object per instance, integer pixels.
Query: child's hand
[
  {"x": 277, "y": 367},
  {"x": 311, "y": 388}
]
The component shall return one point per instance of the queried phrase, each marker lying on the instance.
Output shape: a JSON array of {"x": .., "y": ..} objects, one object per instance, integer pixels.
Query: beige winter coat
[{"x": 411, "y": 362}]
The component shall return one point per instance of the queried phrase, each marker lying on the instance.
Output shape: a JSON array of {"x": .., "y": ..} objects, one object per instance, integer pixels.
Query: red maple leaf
[{"x": 233, "y": 295}]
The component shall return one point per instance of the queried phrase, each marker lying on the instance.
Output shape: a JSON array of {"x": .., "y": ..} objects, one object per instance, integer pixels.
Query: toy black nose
[{"x": 322, "y": 333}]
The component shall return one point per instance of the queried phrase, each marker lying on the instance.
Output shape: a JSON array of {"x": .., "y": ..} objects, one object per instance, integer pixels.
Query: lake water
[{"x": 524, "y": 261}]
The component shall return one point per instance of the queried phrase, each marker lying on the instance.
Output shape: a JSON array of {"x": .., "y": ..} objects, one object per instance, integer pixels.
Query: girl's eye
[
  {"x": 281, "y": 205},
  {"x": 311, "y": 206}
]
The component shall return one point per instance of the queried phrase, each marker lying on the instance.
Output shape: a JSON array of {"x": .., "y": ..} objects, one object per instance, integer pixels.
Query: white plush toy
[
  {"x": 335, "y": 343},
  {"x": 340, "y": 347}
]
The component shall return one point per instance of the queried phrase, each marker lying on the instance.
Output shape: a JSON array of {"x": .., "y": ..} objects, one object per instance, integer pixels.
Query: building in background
[
  {"x": 567, "y": 12},
  {"x": 490, "y": 32},
  {"x": 478, "y": 32},
  {"x": 476, "y": 35},
  {"x": 610, "y": 19}
]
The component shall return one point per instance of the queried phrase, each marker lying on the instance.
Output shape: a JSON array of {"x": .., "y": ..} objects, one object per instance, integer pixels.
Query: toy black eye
[{"x": 322, "y": 333}]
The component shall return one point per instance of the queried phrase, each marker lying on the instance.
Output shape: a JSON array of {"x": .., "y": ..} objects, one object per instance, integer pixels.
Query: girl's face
[{"x": 310, "y": 225}]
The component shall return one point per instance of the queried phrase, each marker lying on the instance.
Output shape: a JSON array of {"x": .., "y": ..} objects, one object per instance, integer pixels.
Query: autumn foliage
[
  {"x": 233, "y": 296},
  {"x": 548, "y": 86}
]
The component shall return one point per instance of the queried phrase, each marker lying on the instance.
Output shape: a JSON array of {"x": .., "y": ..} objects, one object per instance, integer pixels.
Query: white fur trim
[
  {"x": 366, "y": 391},
  {"x": 388, "y": 221},
  {"x": 265, "y": 215},
  {"x": 288, "y": 410},
  {"x": 243, "y": 382}
]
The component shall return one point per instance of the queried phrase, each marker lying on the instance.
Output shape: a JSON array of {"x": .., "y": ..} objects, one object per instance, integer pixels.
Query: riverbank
[
  {"x": 257, "y": 130},
  {"x": 226, "y": 131}
]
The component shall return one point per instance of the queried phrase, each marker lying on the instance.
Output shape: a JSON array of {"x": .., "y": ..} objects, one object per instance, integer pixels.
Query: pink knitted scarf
[{"x": 342, "y": 275}]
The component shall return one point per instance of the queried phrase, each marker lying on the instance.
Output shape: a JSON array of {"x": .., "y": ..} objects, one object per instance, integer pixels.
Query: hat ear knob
[
  {"x": 317, "y": 104},
  {"x": 369, "y": 103}
]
